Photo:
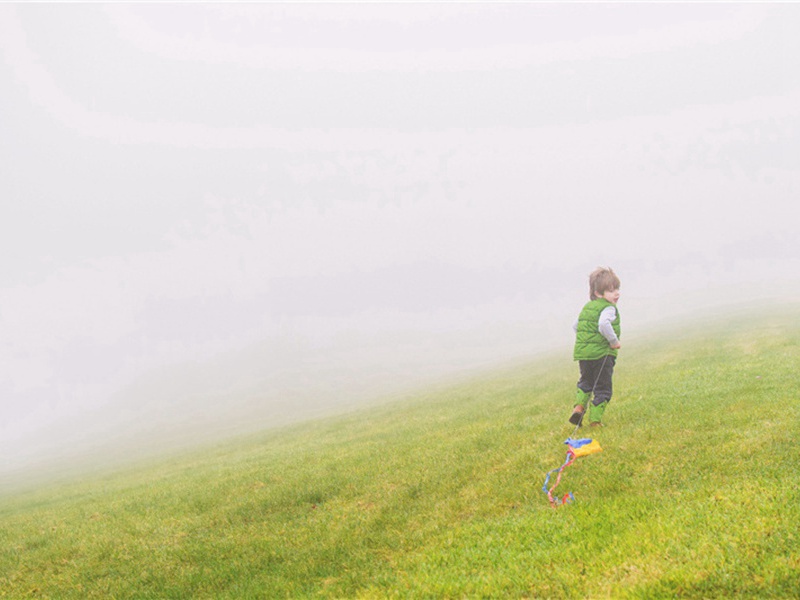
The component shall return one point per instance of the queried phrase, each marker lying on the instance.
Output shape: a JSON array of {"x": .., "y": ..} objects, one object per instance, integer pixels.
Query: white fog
[{"x": 225, "y": 217}]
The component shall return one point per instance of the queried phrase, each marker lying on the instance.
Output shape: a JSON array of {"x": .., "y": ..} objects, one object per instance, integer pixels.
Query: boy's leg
[
  {"x": 602, "y": 389},
  {"x": 584, "y": 392},
  {"x": 596, "y": 413},
  {"x": 588, "y": 375},
  {"x": 581, "y": 400}
]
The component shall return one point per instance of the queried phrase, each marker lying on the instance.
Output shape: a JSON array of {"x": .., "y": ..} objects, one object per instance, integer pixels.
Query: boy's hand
[{"x": 616, "y": 346}]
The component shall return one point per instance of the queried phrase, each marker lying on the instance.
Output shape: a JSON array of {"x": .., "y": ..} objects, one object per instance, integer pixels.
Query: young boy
[{"x": 597, "y": 334}]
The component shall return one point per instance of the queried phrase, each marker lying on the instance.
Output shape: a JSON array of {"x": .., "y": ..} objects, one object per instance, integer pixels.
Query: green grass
[{"x": 696, "y": 494}]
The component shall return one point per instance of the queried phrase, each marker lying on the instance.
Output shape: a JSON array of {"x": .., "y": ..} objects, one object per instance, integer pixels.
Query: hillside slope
[{"x": 696, "y": 494}]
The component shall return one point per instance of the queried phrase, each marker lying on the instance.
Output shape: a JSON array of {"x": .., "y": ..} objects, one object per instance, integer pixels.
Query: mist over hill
[{"x": 265, "y": 386}]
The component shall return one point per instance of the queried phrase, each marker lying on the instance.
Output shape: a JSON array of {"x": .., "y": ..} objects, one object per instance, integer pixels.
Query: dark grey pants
[{"x": 596, "y": 375}]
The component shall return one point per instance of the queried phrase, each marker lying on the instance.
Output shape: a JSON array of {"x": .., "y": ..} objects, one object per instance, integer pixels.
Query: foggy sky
[{"x": 241, "y": 213}]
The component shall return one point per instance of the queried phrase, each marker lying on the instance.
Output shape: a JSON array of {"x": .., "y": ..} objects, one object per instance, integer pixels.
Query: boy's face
[{"x": 610, "y": 295}]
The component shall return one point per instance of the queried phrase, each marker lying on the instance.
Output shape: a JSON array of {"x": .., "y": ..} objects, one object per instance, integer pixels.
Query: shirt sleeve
[{"x": 604, "y": 324}]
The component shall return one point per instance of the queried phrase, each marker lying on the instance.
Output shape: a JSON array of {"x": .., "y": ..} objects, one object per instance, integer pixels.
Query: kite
[{"x": 576, "y": 449}]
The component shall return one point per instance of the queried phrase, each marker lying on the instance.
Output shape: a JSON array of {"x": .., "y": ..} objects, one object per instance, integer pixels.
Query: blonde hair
[{"x": 602, "y": 280}]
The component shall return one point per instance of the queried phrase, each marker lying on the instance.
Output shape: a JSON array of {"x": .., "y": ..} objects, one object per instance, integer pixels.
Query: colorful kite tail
[{"x": 554, "y": 501}]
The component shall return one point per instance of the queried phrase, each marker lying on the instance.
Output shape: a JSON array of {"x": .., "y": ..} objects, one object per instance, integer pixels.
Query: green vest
[{"x": 589, "y": 342}]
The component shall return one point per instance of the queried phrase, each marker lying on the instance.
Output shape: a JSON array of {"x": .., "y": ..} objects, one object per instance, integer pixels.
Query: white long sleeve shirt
[{"x": 608, "y": 314}]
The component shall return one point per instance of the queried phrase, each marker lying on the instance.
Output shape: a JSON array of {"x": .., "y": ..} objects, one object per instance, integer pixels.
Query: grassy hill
[{"x": 696, "y": 494}]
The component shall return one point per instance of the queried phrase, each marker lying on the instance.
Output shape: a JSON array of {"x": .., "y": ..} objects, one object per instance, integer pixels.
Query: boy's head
[{"x": 602, "y": 280}]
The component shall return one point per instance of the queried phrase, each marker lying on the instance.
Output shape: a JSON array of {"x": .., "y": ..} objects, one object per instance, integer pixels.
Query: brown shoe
[
  {"x": 596, "y": 424},
  {"x": 577, "y": 415}
]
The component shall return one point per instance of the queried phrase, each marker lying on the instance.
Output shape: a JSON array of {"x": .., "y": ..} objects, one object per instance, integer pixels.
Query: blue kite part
[{"x": 578, "y": 443}]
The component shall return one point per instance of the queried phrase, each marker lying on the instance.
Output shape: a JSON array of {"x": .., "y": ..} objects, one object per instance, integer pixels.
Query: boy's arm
[{"x": 604, "y": 325}]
